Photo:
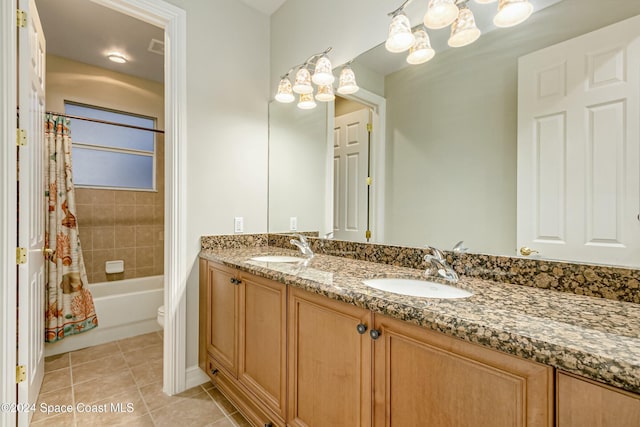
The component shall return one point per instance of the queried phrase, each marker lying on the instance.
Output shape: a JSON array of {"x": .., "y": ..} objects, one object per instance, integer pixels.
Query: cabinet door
[
  {"x": 222, "y": 316},
  {"x": 263, "y": 339},
  {"x": 584, "y": 403},
  {"x": 329, "y": 362},
  {"x": 424, "y": 378}
]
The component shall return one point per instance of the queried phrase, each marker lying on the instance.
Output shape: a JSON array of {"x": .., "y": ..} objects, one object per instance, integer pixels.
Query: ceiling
[{"x": 84, "y": 31}]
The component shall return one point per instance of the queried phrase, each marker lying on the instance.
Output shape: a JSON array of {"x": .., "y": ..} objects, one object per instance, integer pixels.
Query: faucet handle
[
  {"x": 459, "y": 247},
  {"x": 434, "y": 252}
]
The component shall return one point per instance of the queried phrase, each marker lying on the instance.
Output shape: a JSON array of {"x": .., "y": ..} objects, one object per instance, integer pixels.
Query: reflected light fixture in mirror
[
  {"x": 464, "y": 30},
  {"x": 325, "y": 93},
  {"x": 400, "y": 36},
  {"x": 323, "y": 74},
  {"x": 440, "y": 13},
  {"x": 512, "y": 12},
  {"x": 421, "y": 51},
  {"x": 306, "y": 101},
  {"x": 347, "y": 83},
  {"x": 302, "y": 84}
]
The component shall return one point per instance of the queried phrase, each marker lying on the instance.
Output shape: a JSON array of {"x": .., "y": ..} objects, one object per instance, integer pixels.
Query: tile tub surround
[
  {"x": 616, "y": 283},
  {"x": 593, "y": 337}
]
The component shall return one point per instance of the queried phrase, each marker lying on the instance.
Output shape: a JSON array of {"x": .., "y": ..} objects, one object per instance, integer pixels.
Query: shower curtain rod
[{"x": 105, "y": 122}]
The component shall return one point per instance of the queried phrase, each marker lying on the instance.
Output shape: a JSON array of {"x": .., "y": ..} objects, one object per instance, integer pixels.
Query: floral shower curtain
[{"x": 69, "y": 305}]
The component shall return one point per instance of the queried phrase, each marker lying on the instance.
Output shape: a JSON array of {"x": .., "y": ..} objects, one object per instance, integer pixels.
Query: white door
[
  {"x": 579, "y": 147},
  {"x": 31, "y": 275},
  {"x": 350, "y": 169}
]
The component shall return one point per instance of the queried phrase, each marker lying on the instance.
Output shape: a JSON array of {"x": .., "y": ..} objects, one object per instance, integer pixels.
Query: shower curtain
[{"x": 69, "y": 305}]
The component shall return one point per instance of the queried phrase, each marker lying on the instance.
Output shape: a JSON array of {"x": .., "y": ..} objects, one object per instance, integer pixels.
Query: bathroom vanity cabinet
[{"x": 346, "y": 366}]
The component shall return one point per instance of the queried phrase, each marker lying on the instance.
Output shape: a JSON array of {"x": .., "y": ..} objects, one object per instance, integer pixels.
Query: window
[{"x": 111, "y": 156}]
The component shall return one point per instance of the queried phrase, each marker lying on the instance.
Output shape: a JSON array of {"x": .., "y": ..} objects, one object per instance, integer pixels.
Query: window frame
[{"x": 105, "y": 148}]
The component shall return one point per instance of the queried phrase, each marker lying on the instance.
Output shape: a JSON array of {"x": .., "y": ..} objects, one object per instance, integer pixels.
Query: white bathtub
[{"x": 125, "y": 308}]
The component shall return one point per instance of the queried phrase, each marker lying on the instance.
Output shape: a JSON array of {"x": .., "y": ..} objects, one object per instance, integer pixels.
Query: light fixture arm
[{"x": 309, "y": 61}]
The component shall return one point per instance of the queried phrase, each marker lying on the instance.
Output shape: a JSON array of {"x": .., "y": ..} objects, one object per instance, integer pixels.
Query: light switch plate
[
  {"x": 238, "y": 224},
  {"x": 293, "y": 223}
]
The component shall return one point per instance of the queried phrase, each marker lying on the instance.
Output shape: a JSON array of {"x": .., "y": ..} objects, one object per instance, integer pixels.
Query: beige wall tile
[
  {"x": 144, "y": 271},
  {"x": 128, "y": 255},
  {"x": 144, "y": 214},
  {"x": 100, "y": 257},
  {"x": 83, "y": 196},
  {"x": 125, "y": 236},
  {"x": 144, "y": 235},
  {"x": 125, "y": 197},
  {"x": 104, "y": 215},
  {"x": 84, "y": 215},
  {"x": 125, "y": 215},
  {"x": 145, "y": 197},
  {"x": 86, "y": 237},
  {"x": 103, "y": 197},
  {"x": 103, "y": 238},
  {"x": 144, "y": 257}
]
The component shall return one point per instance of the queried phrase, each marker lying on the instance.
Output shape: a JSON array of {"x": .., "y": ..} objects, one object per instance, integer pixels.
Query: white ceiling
[{"x": 85, "y": 31}]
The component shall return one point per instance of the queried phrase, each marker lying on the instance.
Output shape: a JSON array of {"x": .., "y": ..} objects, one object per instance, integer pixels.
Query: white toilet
[{"x": 160, "y": 316}]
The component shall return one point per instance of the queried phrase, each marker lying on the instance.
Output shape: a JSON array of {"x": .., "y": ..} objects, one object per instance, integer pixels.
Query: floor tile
[
  {"x": 103, "y": 387},
  {"x": 147, "y": 373},
  {"x": 225, "y": 422},
  {"x": 90, "y": 354},
  {"x": 59, "y": 361},
  {"x": 195, "y": 411},
  {"x": 122, "y": 408},
  {"x": 239, "y": 420},
  {"x": 222, "y": 401},
  {"x": 142, "y": 355},
  {"x": 56, "y": 380},
  {"x": 61, "y": 420},
  {"x": 155, "y": 398},
  {"x": 98, "y": 368},
  {"x": 54, "y": 398},
  {"x": 134, "y": 343}
]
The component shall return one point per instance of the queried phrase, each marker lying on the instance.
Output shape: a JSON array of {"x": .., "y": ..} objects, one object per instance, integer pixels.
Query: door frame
[
  {"x": 173, "y": 20},
  {"x": 378, "y": 160},
  {"x": 8, "y": 211}
]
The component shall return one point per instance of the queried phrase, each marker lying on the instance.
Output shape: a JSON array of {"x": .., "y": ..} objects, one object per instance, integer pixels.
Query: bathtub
[{"x": 125, "y": 308}]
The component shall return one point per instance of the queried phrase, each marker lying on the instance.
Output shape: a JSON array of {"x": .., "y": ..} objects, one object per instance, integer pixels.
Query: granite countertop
[{"x": 591, "y": 337}]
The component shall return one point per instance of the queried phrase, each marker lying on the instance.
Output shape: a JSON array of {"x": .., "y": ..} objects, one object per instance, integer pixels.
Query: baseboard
[{"x": 195, "y": 377}]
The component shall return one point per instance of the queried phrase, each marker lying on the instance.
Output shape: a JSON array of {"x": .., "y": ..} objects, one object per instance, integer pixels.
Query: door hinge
[
  {"x": 21, "y": 137},
  {"x": 369, "y": 127},
  {"x": 21, "y": 18},
  {"x": 21, "y": 256},
  {"x": 21, "y": 373}
]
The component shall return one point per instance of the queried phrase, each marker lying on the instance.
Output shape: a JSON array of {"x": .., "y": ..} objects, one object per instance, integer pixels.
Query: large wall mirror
[{"x": 449, "y": 159}]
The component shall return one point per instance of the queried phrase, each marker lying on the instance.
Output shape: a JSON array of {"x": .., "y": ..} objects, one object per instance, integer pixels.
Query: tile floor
[{"x": 128, "y": 372}]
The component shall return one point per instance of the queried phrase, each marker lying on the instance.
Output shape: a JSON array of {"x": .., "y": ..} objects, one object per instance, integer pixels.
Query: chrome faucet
[
  {"x": 437, "y": 265},
  {"x": 303, "y": 244},
  {"x": 459, "y": 248}
]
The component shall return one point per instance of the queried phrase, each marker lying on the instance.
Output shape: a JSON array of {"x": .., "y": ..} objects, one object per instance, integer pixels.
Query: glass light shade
[
  {"x": 347, "y": 83},
  {"x": 512, "y": 12},
  {"x": 400, "y": 37},
  {"x": 486, "y": 1},
  {"x": 285, "y": 93},
  {"x": 440, "y": 13},
  {"x": 464, "y": 30},
  {"x": 421, "y": 51},
  {"x": 323, "y": 74},
  {"x": 303, "y": 82},
  {"x": 306, "y": 101},
  {"x": 325, "y": 93}
]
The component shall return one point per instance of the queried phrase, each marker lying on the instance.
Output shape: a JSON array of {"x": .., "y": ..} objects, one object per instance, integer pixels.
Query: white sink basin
[
  {"x": 417, "y": 288},
  {"x": 276, "y": 258}
]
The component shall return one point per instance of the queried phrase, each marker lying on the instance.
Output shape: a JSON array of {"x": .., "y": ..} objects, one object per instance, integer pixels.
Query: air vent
[{"x": 156, "y": 46}]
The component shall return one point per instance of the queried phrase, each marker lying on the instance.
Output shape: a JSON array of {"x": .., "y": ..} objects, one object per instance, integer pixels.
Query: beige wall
[{"x": 115, "y": 224}]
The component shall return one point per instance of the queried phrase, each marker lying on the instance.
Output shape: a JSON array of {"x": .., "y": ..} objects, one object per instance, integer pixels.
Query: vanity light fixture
[
  {"x": 464, "y": 30},
  {"x": 421, "y": 51},
  {"x": 512, "y": 12},
  {"x": 347, "y": 83},
  {"x": 322, "y": 77},
  {"x": 306, "y": 101},
  {"x": 117, "y": 57},
  {"x": 442, "y": 13},
  {"x": 400, "y": 36}
]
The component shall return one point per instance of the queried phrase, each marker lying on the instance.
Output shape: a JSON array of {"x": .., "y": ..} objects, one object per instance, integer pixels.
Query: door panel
[
  {"x": 350, "y": 176},
  {"x": 222, "y": 317},
  {"x": 31, "y": 276},
  {"x": 579, "y": 147}
]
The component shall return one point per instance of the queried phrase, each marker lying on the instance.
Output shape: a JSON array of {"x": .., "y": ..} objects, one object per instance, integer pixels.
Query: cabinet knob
[
  {"x": 214, "y": 371},
  {"x": 361, "y": 328},
  {"x": 375, "y": 334},
  {"x": 235, "y": 281},
  {"x": 268, "y": 425}
]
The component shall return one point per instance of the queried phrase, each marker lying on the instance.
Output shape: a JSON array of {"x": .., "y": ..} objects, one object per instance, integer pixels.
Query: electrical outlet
[
  {"x": 293, "y": 223},
  {"x": 238, "y": 224}
]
